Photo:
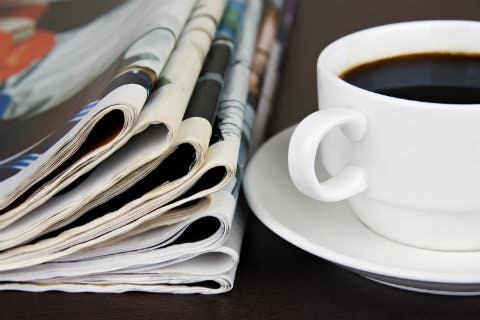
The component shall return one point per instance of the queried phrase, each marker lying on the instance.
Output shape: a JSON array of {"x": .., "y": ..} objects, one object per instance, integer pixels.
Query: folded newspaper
[{"x": 125, "y": 129}]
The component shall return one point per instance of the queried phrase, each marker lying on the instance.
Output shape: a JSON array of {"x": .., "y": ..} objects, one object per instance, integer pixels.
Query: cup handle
[{"x": 303, "y": 148}]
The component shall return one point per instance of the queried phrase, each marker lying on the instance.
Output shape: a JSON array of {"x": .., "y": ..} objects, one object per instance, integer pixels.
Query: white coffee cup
[{"x": 410, "y": 170}]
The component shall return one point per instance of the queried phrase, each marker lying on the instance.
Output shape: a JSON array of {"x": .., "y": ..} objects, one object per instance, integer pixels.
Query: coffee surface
[{"x": 430, "y": 77}]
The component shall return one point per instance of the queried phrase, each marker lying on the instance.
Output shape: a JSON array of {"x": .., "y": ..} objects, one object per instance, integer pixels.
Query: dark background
[{"x": 276, "y": 280}]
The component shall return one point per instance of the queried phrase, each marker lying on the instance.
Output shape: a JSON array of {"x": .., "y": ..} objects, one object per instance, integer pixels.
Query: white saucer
[{"x": 332, "y": 231}]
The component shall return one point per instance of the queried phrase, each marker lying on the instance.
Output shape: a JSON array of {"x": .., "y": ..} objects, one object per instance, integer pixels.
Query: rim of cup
[{"x": 326, "y": 72}]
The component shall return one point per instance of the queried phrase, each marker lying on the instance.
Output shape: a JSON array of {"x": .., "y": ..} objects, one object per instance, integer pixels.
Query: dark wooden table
[{"x": 276, "y": 280}]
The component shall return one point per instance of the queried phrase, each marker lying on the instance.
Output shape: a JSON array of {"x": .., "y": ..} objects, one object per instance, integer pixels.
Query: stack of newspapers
[{"x": 125, "y": 127}]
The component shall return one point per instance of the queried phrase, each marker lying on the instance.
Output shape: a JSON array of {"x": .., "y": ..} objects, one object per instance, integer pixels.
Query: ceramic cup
[{"x": 410, "y": 170}]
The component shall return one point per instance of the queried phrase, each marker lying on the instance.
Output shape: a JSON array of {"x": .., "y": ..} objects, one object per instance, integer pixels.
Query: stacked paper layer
[{"x": 127, "y": 129}]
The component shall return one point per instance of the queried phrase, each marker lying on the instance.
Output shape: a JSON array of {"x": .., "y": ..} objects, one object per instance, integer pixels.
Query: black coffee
[{"x": 432, "y": 77}]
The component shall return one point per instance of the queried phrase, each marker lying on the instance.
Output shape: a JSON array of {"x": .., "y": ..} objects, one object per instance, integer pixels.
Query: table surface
[{"x": 276, "y": 280}]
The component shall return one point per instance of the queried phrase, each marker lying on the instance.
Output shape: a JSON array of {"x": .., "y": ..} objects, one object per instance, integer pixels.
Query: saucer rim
[{"x": 344, "y": 260}]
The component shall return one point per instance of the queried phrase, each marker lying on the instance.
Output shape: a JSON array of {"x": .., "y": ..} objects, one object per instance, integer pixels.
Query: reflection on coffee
[{"x": 429, "y": 77}]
